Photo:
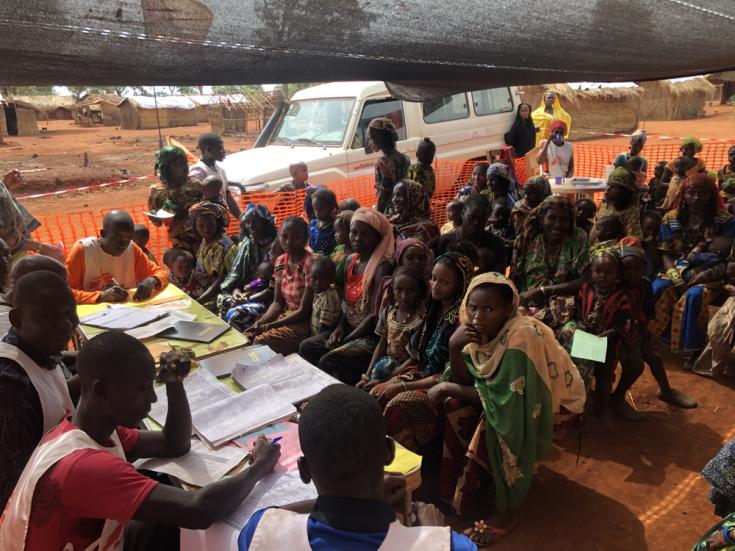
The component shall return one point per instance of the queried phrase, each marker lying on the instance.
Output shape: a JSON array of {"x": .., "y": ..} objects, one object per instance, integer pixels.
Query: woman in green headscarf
[
  {"x": 515, "y": 382},
  {"x": 176, "y": 193}
]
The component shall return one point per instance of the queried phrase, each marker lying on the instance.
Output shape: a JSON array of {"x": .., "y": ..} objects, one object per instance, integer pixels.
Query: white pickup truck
[{"x": 325, "y": 127}]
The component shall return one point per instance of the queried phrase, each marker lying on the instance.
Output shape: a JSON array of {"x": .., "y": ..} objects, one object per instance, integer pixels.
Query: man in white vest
[
  {"x": 103, "y": 269},
  {"x": 346, "y": 449},
  {"x": 213, "y": 152},
  {"x": 34, "y": 395},
  {"x": 79, "y": 489}
]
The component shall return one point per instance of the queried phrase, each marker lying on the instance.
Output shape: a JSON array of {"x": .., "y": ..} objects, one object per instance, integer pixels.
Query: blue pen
[{"x": 276, "y": 440}]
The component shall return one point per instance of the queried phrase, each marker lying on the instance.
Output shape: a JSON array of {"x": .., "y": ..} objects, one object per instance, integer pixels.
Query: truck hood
[{"x": 264, "y": 164}]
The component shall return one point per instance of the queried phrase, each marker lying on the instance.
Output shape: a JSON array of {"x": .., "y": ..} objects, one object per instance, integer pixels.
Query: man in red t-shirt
[{"x": 91, "y": 485}]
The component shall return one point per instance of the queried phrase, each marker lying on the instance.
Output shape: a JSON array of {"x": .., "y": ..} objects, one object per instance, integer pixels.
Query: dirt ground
[{"x": 635, "y": 488}]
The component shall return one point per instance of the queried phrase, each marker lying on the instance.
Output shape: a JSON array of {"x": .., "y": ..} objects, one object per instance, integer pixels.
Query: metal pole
[{"x": 158, "y": 120}]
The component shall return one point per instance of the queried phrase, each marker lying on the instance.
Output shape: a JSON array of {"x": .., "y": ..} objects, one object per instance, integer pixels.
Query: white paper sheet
[
  {"x": 240, "y": 414},
  {"x": 152, "y": 329},
  {"x": 223, "y": 364},
  {"x": 201, "y": 466},
  {"x": 202, "y": 390},
  {"x": 274, "y": 490},
  {"x": 120, "y": 318},
  {"x": 293, "y": 378}
]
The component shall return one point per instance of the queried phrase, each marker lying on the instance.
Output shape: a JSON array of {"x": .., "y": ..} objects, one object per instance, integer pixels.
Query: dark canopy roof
[{"x": 453, "y": 44}]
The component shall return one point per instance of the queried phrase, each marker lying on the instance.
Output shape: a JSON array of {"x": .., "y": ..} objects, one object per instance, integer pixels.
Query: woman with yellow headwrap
[
  {"x": 549, "y": 111},
  {"x": 515, "y": 382},
  {"x": 689, "y": 148}
]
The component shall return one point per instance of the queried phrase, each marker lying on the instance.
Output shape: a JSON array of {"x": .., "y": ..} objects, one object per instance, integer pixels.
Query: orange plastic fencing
[{"x": 590, "y": 160}]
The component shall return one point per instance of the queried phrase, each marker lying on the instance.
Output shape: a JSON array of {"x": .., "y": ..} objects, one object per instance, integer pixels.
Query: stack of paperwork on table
[
  {"x": 250, "y": 410},
  {"x": 273, "y": 490},
  {"x": 200, "y": 466},
  {"x": 292, "y": 378},
  {"x": 120, "y": 319},
  {"x": 223, "y": 364}
]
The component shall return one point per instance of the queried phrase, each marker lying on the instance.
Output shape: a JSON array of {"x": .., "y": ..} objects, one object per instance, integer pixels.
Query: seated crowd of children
[{"x": 423, "y": 322}]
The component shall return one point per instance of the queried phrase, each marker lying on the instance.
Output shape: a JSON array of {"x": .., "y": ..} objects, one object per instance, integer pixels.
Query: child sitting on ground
[
  {"x": 602, "y": 309},
  {"x": 253, "y": 300},
  {"x": 454, "y": 217},
  {"x": 141, "y": 236},
  {"x": 656, "y": 191},
  {"x": 180, "y": 264},
  {"x": 609, "y": 228},
  {"x": 640, "y": 296},
  {"x": 499, "y": 224},
  {"x": 396, "y": 323},
  {"x": 215, "y": 253},
  {"x": 212, "y": 190},
  {"x": 326, "y": 306},
  {"x": 343, "y": 249},
  {"x": 422, "y": 171},
  {"x": 650, "y": 225},
  {"x": 321, "y": 228},
  {"x": 584, "y": 213}
]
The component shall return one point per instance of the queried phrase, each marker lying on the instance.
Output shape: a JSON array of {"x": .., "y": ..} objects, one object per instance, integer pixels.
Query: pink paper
[{"x": 290, "y": 448}]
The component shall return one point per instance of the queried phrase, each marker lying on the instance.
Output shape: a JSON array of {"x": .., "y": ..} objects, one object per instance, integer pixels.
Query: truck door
[{"x": 359, "y": 162}]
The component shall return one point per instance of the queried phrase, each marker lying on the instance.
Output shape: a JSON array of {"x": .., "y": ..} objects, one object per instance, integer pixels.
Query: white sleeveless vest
[
  {"x": 279, "y": 529},
  {"x": 101, "y": 268},
  {"x": 53, "y": 393},
  {"x": 16, "y": 517}
]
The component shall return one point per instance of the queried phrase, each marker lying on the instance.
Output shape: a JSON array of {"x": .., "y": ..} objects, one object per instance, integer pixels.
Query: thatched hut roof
[
  {"x": 669, "y": 100},
  {"x": 46, "y": 104},
  {"x": 721, "y": 78},
  {"x": 90, "y": 99}
]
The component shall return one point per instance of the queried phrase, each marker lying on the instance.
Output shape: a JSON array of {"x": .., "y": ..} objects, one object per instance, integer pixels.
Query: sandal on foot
[
  {"x": 483, "y": 534},
  {"x": 678, "y": 398}
]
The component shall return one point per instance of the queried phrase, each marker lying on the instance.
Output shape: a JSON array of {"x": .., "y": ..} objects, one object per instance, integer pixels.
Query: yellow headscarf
[
  {"x": 536, "y": 341},
  {"x": 542, "y": 120}
]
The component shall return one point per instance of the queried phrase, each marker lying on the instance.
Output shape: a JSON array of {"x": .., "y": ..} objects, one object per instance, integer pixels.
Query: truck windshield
[{"x": 315, "y": 122}]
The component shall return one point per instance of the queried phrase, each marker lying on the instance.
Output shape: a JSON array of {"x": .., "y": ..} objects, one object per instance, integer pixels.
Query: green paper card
[{"x": 589, "y": 347}]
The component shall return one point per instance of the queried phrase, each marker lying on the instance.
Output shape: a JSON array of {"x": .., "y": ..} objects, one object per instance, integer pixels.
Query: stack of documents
[
  {"x": 274, "y": 490},
  {"x": 202, "y": 390},
  {"x": 248, "y": 411},
  {"x": 223, "y": 364},
  {"x": 292, "y": 378},
  {"x": 199, "y": 467},
  {"x": 120, "y": 319}
]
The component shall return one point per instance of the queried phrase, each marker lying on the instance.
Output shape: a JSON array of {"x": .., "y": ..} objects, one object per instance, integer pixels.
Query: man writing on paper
[
  {"x": 79, "y": 490},
  {"x": 345, "y": 455},
  {"x": 34, "y": 395},
  {"x": 102, "y": 269}
]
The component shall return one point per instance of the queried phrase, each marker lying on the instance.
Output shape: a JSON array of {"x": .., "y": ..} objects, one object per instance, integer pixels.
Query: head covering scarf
[
  {"x": 522, "y": 134},
  {"x": 212, "y": 209},
  {"x": 533, "y": 224},
  {"x": 384, "y": 124},
  {"x": 167, "y": 154},
  {"x": 384, "y": 250},
  {"x": 416, "y": 202},
  {"x": 542, "y": 119},
  {"x": 686, "y": 140},
  {"x": 533, "y": 338},
  {"x": 558, "y": 124},
  {"x": 623, "y": 177},
  {"x": 639, "y": 135},
  {"x": 543, "y": 182},
  {"x": 701, "y": 180},
  {"x": 404, "y": 244},
  {"x": 259, "y": 211},
  {"x": 605, "y": 248},
  {"x": 501, "y": 169},
  {"x": 631, "y": 246}
]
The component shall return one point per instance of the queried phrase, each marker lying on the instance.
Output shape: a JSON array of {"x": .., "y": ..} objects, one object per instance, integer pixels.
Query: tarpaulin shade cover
[{"x": 449, "y": 44}]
